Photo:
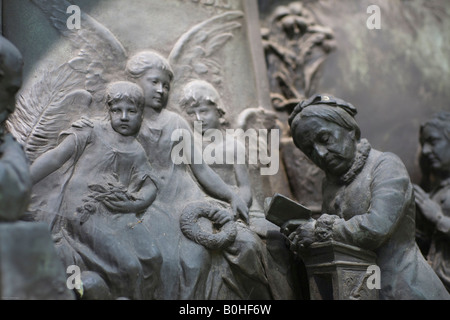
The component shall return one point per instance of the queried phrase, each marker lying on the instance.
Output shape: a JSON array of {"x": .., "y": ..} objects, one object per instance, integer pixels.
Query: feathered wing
[
  {"x": 194, "y": 56},
  {"x": 257, "y": 119},
  {"x": 101, "y": 56},
  {"x": 72, "y": 90}
]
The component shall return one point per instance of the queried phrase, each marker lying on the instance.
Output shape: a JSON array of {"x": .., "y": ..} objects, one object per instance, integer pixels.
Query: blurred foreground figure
[{"x": 29, "y": 267}]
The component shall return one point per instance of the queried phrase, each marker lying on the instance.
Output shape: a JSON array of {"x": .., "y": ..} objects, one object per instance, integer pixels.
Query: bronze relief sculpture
[
  {"x": 205, "y": 110},
  {"x": 104, "y": 177},
  {"x": 368, "y": 199},
  {"x": 99, "y": 132}
]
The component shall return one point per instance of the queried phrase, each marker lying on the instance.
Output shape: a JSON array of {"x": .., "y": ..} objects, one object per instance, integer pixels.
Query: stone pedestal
[
  {"x": 29, "y": 266},
  {"x": 338, "y": 271}
]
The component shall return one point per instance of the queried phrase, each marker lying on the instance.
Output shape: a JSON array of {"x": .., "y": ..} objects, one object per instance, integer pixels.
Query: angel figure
[
  {"x": 202, "y": 104},
  {"x": 104, "y": 183},
  {"x": 183, "y": 184},
  {"x": 184, "y": 268}
]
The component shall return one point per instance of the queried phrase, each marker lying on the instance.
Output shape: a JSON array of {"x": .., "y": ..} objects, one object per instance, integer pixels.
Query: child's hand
[
  {"x": 221, "y": 217},
  {"x": 118, "y": 203},
  {"x": 239, "y": 207}
]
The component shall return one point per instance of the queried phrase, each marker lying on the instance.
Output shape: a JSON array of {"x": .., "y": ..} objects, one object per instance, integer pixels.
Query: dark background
[{"x": 397, "y": 76}]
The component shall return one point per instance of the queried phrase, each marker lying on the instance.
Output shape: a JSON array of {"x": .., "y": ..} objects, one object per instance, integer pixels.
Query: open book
[{"x": 280, "y": 209}]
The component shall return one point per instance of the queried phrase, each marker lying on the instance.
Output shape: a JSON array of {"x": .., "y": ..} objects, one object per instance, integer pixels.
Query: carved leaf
[{"x": 295, "y": 48}]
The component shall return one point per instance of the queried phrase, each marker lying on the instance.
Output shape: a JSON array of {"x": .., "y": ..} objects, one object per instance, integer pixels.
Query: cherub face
[
  {"x": 156, "y": 85},
  {"x": 125, "y": 117},
  {"x": 435, "y": 148},
  {"x": 331, "y": 147},
  {"x": 206, "y": 112}
]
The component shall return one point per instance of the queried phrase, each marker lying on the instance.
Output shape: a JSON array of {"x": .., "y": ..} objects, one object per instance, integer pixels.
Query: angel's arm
[
  {"x": 243, "y": 182},
  {"x": 53, "y": 159},
  {"x": 217, "y": 188},
  {"x": 213, "y": 184},
  {"x": 241, "y": 173}
]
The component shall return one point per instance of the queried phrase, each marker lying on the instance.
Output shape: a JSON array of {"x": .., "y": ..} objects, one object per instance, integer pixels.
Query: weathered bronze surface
[
  {"x": 120, "y": 100},
  {"x": 102, "y": 150},
  {"x": 368, "y": 199}
]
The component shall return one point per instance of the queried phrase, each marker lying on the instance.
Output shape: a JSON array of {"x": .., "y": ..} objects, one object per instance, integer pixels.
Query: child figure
[
  {"x": 189, "y": 270},
  {"x": 202, "y": 104},
  {"x": 103, "y": 185}
]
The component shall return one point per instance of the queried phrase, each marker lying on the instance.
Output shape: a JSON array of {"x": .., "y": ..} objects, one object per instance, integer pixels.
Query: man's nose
[{"x": 321, "y": 151}]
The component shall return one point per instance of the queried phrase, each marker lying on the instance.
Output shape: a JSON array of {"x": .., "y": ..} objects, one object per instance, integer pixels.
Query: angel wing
[
  {"x": 76, "y": 88},
  {"x": 101, "y": 56},
  {"x": 194, "y": 54},
  {"x": 257, "y": 119}
]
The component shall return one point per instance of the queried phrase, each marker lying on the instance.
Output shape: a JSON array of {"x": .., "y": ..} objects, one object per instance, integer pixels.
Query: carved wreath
[{"x": 222, "y": 236}]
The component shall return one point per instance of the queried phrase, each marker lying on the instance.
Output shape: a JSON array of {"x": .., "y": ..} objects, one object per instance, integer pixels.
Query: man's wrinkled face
[{"x": 330, "y": 146}]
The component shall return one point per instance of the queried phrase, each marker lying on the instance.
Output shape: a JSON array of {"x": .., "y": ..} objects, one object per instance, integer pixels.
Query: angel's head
[
  {"x": 201, "y": 102},
  {"x": 11, "y": 65},
  {"x": 125, "y": 101},
  {"x": 154, "y": 74}
]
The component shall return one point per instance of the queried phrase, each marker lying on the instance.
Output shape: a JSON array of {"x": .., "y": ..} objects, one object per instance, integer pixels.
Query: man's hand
[{"x": 302, "y": 237}]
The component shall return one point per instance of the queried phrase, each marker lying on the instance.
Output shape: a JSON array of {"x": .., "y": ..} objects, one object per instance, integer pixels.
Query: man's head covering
[{"x": 323, "y": 99}]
